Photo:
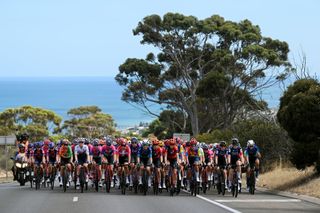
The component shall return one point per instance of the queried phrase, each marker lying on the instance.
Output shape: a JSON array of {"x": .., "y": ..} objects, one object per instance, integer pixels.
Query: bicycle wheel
[
  {"x": 65, "y": 178},
  {"x": 123, "y": 183},
  {"x": 107, "y": 179},
  {"x": 82, "y": 179}
]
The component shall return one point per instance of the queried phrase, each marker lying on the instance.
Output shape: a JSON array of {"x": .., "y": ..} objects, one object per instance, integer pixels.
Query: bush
[{"x": 274, "y": 144}]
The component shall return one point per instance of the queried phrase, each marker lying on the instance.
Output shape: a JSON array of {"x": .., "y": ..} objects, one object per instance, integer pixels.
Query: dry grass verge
[{"x": 305, "y": 182}]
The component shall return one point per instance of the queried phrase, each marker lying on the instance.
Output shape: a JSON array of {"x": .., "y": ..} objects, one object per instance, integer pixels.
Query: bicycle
[
  {"x": 96, "y": 175},
  {"x": 155, "y": 181},
  {"x": 65, "y": 177},
  {"x": 52, "y": 176},
  {"x": 252, "y": 180},
  {"x": 194, "y": 185},
  {"x": 145, "y": 178},
  {"x": 221, "y": 182},
  {"x": 234, "y": 183},
  {"x": 123, "y": 184},
  {"x": 204, "y": 178},
  {"x": 108, "y": 177},
  {"x": 38, "y": 176}
]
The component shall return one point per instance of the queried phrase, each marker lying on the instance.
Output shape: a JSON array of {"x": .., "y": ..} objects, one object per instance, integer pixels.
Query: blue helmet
[
  {"x": 108, "y": 141},
  {"x": 51, "y": 145}
]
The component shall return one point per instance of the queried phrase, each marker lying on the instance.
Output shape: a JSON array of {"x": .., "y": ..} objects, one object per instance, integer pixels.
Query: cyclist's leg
[{"x": 257, "y": 165}]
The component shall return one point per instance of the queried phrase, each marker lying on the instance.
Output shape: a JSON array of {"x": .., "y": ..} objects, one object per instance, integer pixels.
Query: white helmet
[{"x": 250, "y": 143}]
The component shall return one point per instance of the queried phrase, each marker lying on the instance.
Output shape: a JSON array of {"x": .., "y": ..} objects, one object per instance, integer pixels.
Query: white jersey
[{"x": 81, "y": 150}]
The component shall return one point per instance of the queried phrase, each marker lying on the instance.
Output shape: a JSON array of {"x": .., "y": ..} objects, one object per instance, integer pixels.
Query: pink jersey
[{"x": 95, "y": 151}]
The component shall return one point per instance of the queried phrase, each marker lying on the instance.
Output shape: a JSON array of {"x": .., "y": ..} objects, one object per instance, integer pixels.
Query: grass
[{"x": 305, "y": 182}]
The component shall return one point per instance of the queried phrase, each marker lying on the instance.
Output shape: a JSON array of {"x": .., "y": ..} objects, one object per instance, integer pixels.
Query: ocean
[{"x": 62, "y": 94}]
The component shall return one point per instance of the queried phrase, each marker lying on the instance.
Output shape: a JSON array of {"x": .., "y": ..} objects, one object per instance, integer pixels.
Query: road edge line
[
  {"x": 215, "y": 203},
  {"x": 305, "y": 198}
]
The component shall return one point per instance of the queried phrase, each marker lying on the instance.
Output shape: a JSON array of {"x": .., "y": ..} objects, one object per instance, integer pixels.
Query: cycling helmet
[
  {"x": 134, "y": 140},
  {"x": 30, "y": 145},
  {"x": 108, "y": 141},
  {"x": 193, "y": 142},
  {"x": 22, "y": 146},
  {"x": 161, "y": 144},
  {"x": 38, "y": 144},
  {"x": 155, "y": 142},
  {"x": 123, "y": 141},
  {"x": 46, "y": 142},
  {"x": 235, "y": 141},
  {"x": 75, "y": 141},
  {"x": 250, "y": 143},
  {"x": 95, "y": 142},
  {"x": 65, "y": 142},
  {"x": 51, "y": 145},
  {"x": 172, "y": 142},
  {"x": 86, "y": 141},
  {"x": 215, "y": 146},
  {"x": 205, "y": 147},
  {"x": 145, "y": 142},
  {"x": 223, "y": 144}
]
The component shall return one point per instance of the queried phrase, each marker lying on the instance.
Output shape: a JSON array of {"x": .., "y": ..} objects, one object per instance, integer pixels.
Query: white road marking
[
  {"x": 75, "y": 199},
  {"x": 259, "y": 201},
  {"x": 216, "y": 203}
]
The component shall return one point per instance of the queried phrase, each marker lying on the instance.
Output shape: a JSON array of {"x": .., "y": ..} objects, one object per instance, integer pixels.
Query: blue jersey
[
  {"x": 252, "y": 152},
  {"x": 145, "y": 153},
  {"x": 135, "y": 150}
]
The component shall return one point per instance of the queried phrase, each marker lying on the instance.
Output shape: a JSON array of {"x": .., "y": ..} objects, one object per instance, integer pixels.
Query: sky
[{"x": 47, "y": 38}]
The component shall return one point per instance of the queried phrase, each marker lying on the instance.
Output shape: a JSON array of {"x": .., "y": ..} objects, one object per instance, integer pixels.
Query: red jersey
[
  {"x": 109, "y": 151},
  {"x": 157, "y": 153},
  {"x": 172, "y": 152},
  {"x": 124, "y": 151}
]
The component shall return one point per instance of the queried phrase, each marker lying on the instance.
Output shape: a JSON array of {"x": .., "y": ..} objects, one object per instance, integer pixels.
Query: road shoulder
[{"x": 291, "y": 194}]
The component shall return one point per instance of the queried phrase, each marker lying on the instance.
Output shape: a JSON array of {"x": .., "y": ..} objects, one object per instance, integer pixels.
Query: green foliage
[
  {"x": 200, "y": 64},
  {"x": 37, "y": 122},
  {"x": 88, "y": 121},
  {"x": 299, "y": 115},
  {"x": 271, "y": 139}
]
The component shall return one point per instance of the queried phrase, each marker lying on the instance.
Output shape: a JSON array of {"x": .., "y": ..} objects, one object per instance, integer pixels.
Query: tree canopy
[
  {"x": 299, "y": 115},
  {"x": 212, "y": 66},
  {"x": 37, "y": 122},
  {"x": 88, "y": 121}
]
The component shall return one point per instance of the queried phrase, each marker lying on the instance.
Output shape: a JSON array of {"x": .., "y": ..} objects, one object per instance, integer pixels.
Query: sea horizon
[{"x": 61, "y": 93}]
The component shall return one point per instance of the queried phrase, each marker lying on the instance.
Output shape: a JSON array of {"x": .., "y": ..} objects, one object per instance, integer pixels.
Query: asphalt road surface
[{"x": 16, "y": 199}]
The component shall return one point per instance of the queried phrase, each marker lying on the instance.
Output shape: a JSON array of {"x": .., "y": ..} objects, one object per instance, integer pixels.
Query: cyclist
[
  {"x": 124, "y": 157},
  {"x": 172, "y": 159},
  {"x": 145, "y": 160},
  {"x": 221, "y": 160},
  {"x": 95, "y": 156},
  {"x": 135, "y": 148},
  {"x": 157, "y": 158},
  {"x": 82, "y": 158},
  {"x": 39, "y": 158},
  {"x": 252, "y": 156},
  {"x": 182, "y": 157},
  {"x": 235, "y": 159},
  {"x": 208, "y": 158},
  {"x": 109, "y": 155},
  {"x": 65, "y": 158},
  {"x": 51, "y": 157},
  {"x": 193, "y": 158}
]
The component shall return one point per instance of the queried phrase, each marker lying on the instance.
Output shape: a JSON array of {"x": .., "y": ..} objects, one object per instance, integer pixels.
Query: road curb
[{"x": 291, "y": 194}]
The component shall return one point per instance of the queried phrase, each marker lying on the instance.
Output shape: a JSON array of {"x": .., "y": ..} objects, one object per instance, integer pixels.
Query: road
[{"x": 16, "y": 199}]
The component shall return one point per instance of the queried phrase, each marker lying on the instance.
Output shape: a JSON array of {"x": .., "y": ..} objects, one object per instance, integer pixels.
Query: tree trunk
[{"x": 194, "y": 120}]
